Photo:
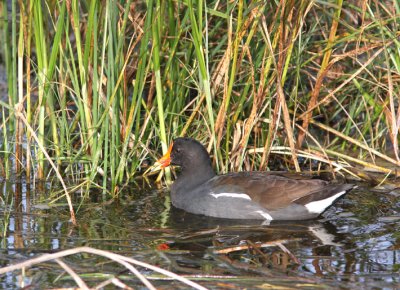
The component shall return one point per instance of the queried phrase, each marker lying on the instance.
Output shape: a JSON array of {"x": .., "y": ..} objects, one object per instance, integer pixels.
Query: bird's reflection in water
[{"x": 253, "y": 246}]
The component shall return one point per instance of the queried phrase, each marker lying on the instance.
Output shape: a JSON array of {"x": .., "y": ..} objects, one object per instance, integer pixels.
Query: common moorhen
[{"x": 244, "y": 195}]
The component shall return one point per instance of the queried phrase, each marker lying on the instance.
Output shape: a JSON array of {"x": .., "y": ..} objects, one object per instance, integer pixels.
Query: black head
[{"x": 187, "y": 152}]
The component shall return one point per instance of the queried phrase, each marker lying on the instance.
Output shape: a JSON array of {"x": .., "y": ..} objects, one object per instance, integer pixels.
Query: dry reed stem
[
  {"x": 291, "y": 255},
  {"x": 273, "y": 129},
  {"x": 193, "y": 115},
  {"x": 324, "y": 69},
  {"x": 333, "y": 61},
  {"x": 257, "y": 250},
  {"x": 223, "y": 68},
  {"x": 114, "y": 281},
  {"x": 309, "y": 154},
  {"x": 390, "y": 113},
  {"x": 318, "y": 145},
  {"x": 356, "y": 142},
  {"x": 287, "y": 121},
  {"x": 314, "y": 154},
  {"x": 257, "y": 101},
  {"x": 72, "y": 273},
  {"x": 363, "y": 163},
  {"x": 246, "y": 247},
  {"x": 19, "y": 114},
  {"x": 281, "y": 98},
  {"x": 125, "y": 261}
]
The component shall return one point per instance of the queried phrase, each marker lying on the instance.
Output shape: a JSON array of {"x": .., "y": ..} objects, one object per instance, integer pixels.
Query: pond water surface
[{"x": 355, "y": 245}]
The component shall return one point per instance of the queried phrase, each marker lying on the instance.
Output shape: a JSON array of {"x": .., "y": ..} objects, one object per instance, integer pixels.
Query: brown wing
[{"x": 271, "y": 190}]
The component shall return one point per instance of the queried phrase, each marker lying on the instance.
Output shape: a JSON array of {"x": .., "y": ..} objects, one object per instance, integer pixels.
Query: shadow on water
[{"x": 355, "y": 244}]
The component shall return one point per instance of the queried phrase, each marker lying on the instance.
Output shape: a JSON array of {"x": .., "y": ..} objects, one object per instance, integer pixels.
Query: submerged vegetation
[{"x": 97, "y": 89}]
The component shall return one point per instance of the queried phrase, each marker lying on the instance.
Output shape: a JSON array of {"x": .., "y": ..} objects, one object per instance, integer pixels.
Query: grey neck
[{"x": 193, "y": 176}]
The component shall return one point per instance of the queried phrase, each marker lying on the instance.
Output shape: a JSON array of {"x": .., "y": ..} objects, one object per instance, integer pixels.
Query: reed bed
[{"x": 98, "y": 89}]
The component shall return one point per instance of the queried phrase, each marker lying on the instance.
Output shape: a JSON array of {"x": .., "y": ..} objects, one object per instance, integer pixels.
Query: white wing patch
[
  {"x": 229, "y": 194},
  {"x": 320, "y": 205},
  {"x": 265, "y": 215}
]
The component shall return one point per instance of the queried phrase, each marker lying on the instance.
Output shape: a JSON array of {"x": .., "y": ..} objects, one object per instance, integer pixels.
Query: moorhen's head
[{"x": 186, "y": 153}]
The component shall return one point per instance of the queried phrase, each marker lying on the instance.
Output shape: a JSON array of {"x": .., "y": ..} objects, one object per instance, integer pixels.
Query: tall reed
[{"x": 105, "y": 86}]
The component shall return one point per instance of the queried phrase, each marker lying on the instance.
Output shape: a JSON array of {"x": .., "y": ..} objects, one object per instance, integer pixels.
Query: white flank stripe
[
  {"x": 234, "y": 195},
  {"x": 265, "y": 215},
  {"x": 320, "y": 205}
]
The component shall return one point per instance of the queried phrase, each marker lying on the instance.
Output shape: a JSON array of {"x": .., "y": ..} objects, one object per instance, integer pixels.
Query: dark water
[{"x": 355, "y": 245}]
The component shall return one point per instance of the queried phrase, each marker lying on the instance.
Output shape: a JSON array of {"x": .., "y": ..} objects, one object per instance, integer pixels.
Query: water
[{"x": 356, "y": 244}]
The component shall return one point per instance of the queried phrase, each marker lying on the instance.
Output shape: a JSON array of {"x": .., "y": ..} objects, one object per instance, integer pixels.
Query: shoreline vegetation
[{"x": 98, "y": 89}]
